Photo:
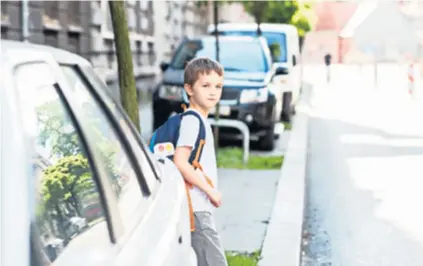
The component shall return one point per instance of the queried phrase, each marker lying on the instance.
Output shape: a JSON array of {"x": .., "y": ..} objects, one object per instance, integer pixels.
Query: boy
[{"x": 203, "y": 82}]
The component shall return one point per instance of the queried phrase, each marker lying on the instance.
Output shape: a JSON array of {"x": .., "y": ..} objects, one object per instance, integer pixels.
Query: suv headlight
[
  {"x": 254, "y": 95},
  {"x": 170, "y": 92}
]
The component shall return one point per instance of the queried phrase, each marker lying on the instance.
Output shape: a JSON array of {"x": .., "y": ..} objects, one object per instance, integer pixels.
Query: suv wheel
[
  {"x": 286, "y": 107},
  {"x": 267, "y": 142}
]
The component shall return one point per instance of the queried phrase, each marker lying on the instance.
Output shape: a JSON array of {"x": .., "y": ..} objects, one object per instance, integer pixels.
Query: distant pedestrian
[
  {"x": 411, "y": 79},
  {"x": 328, "y": 61}
]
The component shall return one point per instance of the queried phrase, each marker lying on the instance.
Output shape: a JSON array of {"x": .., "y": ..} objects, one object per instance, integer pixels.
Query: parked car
[
  {"x": 63, "y": 139},
  {"x": 250, "y": 93},
  {"x": 284, "y": 40}
]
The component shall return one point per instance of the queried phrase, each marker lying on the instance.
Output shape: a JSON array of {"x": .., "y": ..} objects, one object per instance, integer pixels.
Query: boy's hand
[{"x": 215, "y": 198}]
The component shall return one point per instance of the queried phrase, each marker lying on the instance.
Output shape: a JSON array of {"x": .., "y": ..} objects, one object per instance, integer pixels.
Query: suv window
[
  {"x": 253, "y": 59},
  {"x": 275, "y": 40},
  {"x": 69, "y": 215},
  {"x": 113, "y": 157}
]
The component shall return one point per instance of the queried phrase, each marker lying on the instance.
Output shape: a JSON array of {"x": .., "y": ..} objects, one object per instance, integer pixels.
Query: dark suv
[{"x": 249, "y": 92}]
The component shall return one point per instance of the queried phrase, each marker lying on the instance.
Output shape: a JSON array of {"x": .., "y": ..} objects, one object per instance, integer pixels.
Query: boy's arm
[
  {"x": 180, "y": 159},
  {"x": 188, "y": 133}
]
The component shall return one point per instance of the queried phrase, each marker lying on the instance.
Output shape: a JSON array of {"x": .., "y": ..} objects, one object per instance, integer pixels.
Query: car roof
[
  {"x": 60, "y": 55},
  {"x": 253, "y": 26},
  {"x": 225, "y": 38}
]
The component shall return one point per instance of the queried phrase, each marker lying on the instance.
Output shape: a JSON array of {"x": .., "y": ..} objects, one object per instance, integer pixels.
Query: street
[{"x": 364, "y": 176}]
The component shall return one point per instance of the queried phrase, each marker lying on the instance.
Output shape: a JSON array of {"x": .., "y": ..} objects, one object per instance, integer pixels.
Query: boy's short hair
[{"x": 200, "y": 65}]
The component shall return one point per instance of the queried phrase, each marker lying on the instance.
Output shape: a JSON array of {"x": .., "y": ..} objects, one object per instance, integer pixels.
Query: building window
[
  {"x": 106, "y": 25},
  {"x": 110, "y": 52},
  {"x": 73, "y": 11},
  {"x": 3, "y": 32},
  {"x": 144, "y": 4},
  {"x": 151, "y": 54},
  {"x": 74, "y": 42},
  {"x": 3, "y": 10},
  {"x": 51, "y": 9},
  {"x": 139, "y": 52},
  {"x": 51, "y": 38},
  {"x": 144, "y": 23}
]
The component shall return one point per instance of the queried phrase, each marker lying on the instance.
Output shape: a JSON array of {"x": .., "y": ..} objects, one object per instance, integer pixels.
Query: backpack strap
[
  {"x": 199, "y": 143},
  {"x": 195, "y": 161}
]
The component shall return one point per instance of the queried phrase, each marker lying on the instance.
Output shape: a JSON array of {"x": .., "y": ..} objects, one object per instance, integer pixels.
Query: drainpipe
[{"x": 25, "y": 20}]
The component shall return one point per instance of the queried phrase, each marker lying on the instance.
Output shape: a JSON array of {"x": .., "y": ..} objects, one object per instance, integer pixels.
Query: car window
[
  {"x": 137, "y": 143},
  {"x": 69, "y": 215},
  {"x": 275, "y": 40},
  {"x": 253, "y": 59},
  {"x": 114, "y": 159}
]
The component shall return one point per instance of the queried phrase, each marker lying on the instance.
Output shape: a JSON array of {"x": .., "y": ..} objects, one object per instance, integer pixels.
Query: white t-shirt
[{"x": 188, "y": 133}]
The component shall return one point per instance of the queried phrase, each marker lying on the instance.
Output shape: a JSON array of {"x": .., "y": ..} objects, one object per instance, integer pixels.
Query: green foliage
[
  {"x": 288, "y": 12},
  {"x": 232, "y": 158},
  {"x": 65, "y": 180},
  {"x": 242, "y": 259}
]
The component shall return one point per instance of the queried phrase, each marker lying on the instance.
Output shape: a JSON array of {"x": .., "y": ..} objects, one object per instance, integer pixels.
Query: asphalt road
[{"x": 365, "y": 178}]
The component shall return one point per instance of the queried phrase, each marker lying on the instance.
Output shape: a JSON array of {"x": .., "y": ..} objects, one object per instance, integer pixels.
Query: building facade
[
  {"x": 141, "y": 26},
  {"x": 85, "y": 28},
  {"x": 178, "y": 20},
  {"x": 63, "y": 24}
]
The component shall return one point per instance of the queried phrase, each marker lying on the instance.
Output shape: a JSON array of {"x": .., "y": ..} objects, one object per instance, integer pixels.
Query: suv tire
[
  {"x": 286, "y": 115},
  {"x": 267, "y": 142}
]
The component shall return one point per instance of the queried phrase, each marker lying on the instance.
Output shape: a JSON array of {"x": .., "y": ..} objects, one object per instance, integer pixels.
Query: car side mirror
[
  {"x": 294, "y": 60},
  {"x": 281, "y": 71},
  {"x": 164, "y": 66}
]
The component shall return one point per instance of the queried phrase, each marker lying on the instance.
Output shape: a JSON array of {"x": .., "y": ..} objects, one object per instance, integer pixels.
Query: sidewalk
[
  {"x": 262, "y": 210},
  {"x": 247, "y": 202}
]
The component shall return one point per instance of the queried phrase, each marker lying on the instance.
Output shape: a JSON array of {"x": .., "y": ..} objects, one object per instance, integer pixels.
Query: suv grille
[{"x": 230, "y": 94}]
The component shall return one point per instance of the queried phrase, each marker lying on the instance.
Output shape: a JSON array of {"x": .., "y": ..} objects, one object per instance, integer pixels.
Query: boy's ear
[{"x": 188, "y": 89}]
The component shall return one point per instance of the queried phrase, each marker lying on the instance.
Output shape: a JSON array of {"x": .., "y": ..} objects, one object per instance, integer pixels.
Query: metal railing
[{"x": 242, "y": 127}]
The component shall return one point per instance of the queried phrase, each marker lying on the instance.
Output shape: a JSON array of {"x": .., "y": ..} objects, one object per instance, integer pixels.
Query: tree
[
  {"x": 65, "y": 181},
  {"x": 289, "y": 12},
  {"x": 128, "y": 90},
  {"x": 56, "y": 131}
]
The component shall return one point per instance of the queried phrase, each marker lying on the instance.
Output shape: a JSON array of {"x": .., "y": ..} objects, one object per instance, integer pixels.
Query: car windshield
[
  {"x": 275, "y": 40},
  {"x": 234, "y": 55}
]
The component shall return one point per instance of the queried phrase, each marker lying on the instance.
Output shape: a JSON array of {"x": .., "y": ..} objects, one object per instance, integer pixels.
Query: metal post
[
  {"x": 216, "y": 32},
  {"x": 242, "y": 127},
  {"x": 25, "y": 20}
]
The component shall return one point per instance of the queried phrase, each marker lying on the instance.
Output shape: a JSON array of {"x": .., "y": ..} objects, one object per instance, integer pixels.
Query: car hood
[{"x": 232, "y": 79}]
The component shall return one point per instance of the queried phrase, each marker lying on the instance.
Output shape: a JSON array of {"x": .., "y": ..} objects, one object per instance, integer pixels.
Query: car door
[
  {"x": 64, "y": 181},
  {"x": 152, "y": 210}
]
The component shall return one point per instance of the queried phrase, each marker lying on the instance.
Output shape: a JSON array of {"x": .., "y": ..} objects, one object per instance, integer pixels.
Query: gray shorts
[{"x": 206, "y": 242}]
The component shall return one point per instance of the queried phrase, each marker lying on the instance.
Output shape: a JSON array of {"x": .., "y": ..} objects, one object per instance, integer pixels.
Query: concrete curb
[{"x": 282, "y": 242}]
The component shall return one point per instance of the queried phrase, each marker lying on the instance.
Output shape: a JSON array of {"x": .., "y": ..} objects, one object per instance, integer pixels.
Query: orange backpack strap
[{"x": 189, "y": 186}]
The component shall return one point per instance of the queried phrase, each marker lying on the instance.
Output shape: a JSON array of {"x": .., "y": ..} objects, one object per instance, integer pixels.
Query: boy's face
[{"x": 206, "y": 91}]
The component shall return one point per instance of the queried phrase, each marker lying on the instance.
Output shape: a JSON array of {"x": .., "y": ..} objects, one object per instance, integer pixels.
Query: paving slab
[{"x": 247, "y": 201}]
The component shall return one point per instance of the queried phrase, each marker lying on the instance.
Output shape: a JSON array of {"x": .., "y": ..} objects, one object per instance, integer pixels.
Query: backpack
[{"x": 164, "y": 140}]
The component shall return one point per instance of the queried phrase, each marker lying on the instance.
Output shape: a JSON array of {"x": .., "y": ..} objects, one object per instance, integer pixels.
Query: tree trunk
[
  {"x": 216, "y": 32},
  {"x": 128, "y": 90}
]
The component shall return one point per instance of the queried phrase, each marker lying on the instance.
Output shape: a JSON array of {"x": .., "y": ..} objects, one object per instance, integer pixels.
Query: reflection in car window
[
  {"x": 229, "y": 50},
  {"x": 95, "y": 80},
  {"x": 69, "y": 212},
  {"x": 148, "y": 173},
  {"x": 114, "y": 160}
]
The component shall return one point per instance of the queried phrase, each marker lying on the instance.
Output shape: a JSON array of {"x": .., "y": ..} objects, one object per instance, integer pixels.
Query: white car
[
  {"x": 286, "y": 38},
  {"x": 62, "y": 142}
]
